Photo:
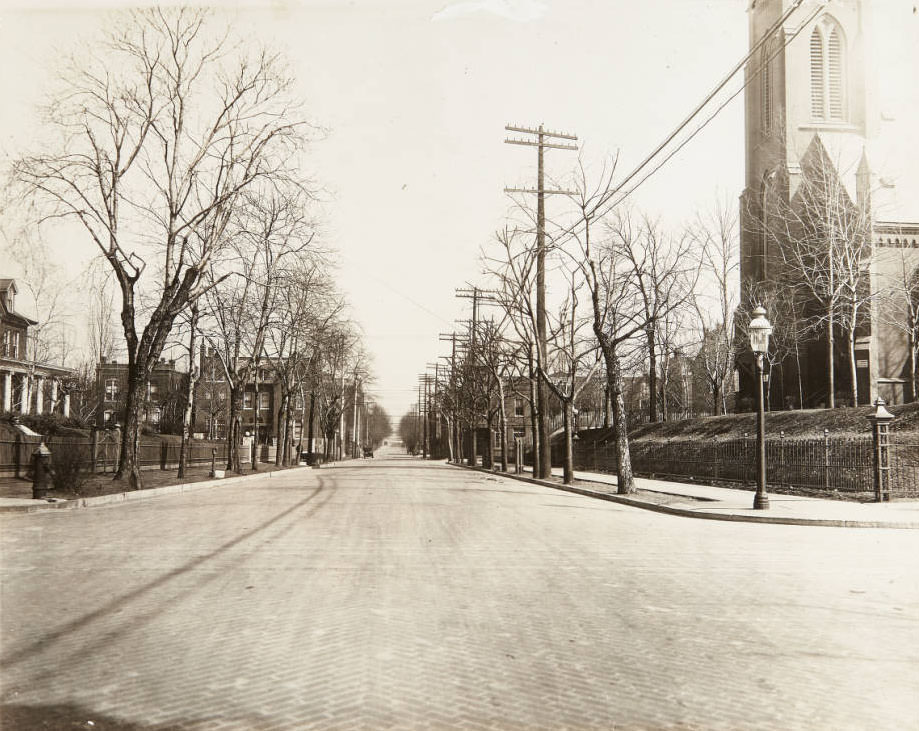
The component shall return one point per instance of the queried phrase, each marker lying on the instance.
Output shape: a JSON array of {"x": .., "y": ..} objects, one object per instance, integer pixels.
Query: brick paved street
[{"x": 396, "y": 594}]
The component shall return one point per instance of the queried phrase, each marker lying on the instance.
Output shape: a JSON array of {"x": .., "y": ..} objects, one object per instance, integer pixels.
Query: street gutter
[
  {"x": 686, "y": 513},
  {"x": 134, "y": 495}
]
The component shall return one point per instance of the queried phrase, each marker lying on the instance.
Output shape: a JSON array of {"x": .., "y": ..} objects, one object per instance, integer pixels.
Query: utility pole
[
  {"x": 478, "y": 297},
  {"x": 543, "y": 466},
  {"x": 354, "y": 432},
  {"x": 423, "y": 405},
  {"x": 457, "y": 455}
]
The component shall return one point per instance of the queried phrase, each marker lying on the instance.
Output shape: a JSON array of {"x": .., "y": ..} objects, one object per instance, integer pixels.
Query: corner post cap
[{"x": 881, "y": 414}]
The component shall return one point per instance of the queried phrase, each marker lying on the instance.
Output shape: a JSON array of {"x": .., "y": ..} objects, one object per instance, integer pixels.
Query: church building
[{"x": 830, "y": 210}]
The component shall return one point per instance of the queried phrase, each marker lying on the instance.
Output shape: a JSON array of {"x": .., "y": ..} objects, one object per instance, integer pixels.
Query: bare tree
[
  {"x": 663, "y": 276},
  {"x": 307, "y": 306},
  {"x": 715, "y": 300},
  {"x": 160, "y": 129},
  {"x": 618, "y": 312},
  {"x": 267, "y": 236},
  {"x": 821, "y": 236},
  {"x": 45, "y": 284},
  {"x": 564, "y": 374}
]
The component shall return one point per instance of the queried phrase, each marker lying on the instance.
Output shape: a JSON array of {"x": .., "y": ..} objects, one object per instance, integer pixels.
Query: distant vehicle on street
[{"x": 368, "y": 452}]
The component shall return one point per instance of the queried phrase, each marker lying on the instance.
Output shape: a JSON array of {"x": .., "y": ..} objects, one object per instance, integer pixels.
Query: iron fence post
[
  {"x": 880, "y": 421},
  {"x": 781, "y": 471}
]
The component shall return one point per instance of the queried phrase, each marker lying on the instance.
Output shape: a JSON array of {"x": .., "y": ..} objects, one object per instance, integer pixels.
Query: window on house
[
  {"x": 828, "y": 82},
  {"x": 519, "y": 434},
  {"x": 263, "y": 401},
  {"x": 108, "y": 417},
  {"x": 518, "y": 407},
  {"x": 154, "y": 389},
  {"x": 5, "y": 345},
  {"x": 247, "y": 399},
  {"x": 111, "y": 389}
]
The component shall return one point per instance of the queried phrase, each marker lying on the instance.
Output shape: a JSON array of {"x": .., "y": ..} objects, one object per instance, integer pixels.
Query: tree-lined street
[{"x": 395, "y": 593}]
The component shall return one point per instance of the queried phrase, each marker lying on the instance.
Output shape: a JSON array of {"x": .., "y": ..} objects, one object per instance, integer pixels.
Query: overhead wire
[
  {"x": 717, "y": 111},
  {"x": 770, "y": 32}
]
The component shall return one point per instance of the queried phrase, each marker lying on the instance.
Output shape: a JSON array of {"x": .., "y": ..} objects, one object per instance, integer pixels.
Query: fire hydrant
[{"x": 41, "y": 471}]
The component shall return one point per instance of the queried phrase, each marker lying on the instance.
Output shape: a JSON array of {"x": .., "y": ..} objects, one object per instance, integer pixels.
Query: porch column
[
  {"x": 53, "y": 394},
  {"x": 7, "y": 391},
  {"x": 39, "y": 394},
  {"x": 25, "y": 400},
  {"x": 66, "y": 405}
]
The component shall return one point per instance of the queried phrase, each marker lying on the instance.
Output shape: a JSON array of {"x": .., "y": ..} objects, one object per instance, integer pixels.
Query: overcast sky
[{"x": 415, "y": 95}]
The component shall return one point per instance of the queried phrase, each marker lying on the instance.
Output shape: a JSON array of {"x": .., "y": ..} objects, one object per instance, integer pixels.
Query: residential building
[
  {"x": 261, "y": 403},
  {"x": 162, "y": 401},
  {"x": 26, "y": 386}
]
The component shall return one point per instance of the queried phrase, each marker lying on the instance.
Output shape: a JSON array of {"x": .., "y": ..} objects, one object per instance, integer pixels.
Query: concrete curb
[
  {"x": 682, "y": 512},
  {"x": 126, "y": 497}
]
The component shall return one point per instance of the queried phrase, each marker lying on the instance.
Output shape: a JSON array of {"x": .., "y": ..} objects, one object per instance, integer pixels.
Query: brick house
[{"x": 163, "y": 399}]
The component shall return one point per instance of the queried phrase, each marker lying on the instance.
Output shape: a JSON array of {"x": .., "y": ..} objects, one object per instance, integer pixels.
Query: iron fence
[{"x": 828, "y": 465}]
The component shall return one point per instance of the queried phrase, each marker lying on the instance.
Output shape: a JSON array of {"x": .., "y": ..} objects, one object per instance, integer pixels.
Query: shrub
[
  {"x": 69, "y": 466},
  {"x": 45, "y": 424}
]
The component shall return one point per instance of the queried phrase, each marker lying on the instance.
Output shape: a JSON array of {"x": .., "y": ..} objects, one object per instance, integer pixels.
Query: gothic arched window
[
  {"x": 767, "y": 89},
  {"x": 828, "y": 73}
]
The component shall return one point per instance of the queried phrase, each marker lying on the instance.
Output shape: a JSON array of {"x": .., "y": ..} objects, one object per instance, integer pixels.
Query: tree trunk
[
  {"x": 537, "y": 447},
  {"x": 311, "y": 447},
  {"x": 624, "y": 480},
  {"x": 830, "y": 360},
  {"x": 128, "y": 467},
  {"x": 652, "y": 376},
  {"x": 606, "y": 406},
  {"x": 853, "y": 367},
  {"x": 255, "y": 423},
  {"x": 282, "y": 429},
  {"x": 568, "y": 471},
  {"x": 490, "y": 451},
  {"x": 474, "y": 447},
  {"x": 190, "y": 393},
  {"x": 914, "y": 366},
  {"x": 233, "y": 429},
  {"x": 502, "y": 422}
]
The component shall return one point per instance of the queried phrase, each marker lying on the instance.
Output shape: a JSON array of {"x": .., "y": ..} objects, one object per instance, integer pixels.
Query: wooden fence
[{"x": 153, "y": 452}]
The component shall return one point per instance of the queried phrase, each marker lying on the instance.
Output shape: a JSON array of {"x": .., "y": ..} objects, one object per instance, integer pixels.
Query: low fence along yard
[
  {"x": 843, "y": 465},
  {"x": 102, "y": 452}
]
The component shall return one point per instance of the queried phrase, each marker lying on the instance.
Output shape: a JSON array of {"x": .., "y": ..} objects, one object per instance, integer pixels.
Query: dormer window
[{"x": 828, "y": 72}]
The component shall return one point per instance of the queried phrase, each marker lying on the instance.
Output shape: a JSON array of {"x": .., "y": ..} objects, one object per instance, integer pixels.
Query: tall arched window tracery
[{"x": 828, "y": 71}]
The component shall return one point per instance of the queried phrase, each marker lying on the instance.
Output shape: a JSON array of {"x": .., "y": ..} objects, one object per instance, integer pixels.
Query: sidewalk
[
  {"x": 16, "y": 494},
  {"x": 721, "y": 503}
]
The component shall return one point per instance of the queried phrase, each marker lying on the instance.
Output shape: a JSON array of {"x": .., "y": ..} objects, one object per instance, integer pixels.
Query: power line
[
  {"x": 697, "y": 110},
  {"x": 712, "y": 115}
]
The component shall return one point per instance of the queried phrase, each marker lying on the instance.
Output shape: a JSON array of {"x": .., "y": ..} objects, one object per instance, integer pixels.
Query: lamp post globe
[{"x": 759, "y": 330}]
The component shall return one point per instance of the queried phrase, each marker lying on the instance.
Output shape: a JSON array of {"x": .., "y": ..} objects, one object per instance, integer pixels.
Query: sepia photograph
[{"x": 459, "y": 364}]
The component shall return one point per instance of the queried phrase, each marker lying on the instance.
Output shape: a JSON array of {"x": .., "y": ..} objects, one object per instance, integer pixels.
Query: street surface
[{"x": 389, "y": 593}]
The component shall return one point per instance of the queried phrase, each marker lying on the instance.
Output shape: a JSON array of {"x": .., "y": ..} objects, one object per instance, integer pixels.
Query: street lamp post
[{"x": 760, "y": 330}]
